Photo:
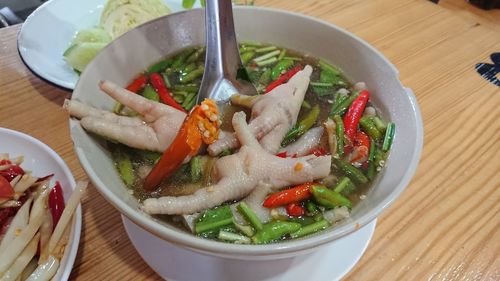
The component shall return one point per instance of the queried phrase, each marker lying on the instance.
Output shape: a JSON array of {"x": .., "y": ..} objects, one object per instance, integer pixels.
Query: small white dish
[
  {"x": 173, "y": 263},
  {"x": 42, "y": 160},
  {"x": 49, "y": 30}
]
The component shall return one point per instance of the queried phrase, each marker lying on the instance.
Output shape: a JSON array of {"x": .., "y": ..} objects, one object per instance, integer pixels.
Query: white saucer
[{"x": 178, "y": 264}]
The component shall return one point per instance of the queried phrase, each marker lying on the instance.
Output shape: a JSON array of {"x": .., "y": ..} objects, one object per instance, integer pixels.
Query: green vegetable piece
[
  {"x": 349, "y": 170},
  {"x": 249, "y": 215},
  {"x": 159, "y": 66},
  {"x": 344, "y": 105},
  {"x": 196, "y": 168},
  {"x": 191, "y": 88},
  {"x": 225, "y": 152},
  {"x": 180, "y": 59},
  {"x": 233, "y": 237},
  {"x": 311, "y": 208},
  {"x": 303, "y": 220},
  {"x": 302, "y": 127},
  {"x": 328, "y": 198},
  {"x": 327, "y": 67},
  {"x": 389, "y": 136},
  {"x": 265, "y": 78},
  {"x": 150, "y": 93},
  {"x": 196, "y": 55},
  {"x": 164, "y": 75},
  {"x": 245, "y": 229},
  {"x": 124, "y": 166},
  {"x": 310, "y": 229},
  {"x": 274, "y": 230},
  {"x": 339, "y": 133},
  {"x": 369, "y": 127},
  {"x": 187, "y": 101},
  {"x": 214, "y": 219},
  {"x": 280, "y": 67},
  {"x": 246, "y": 57},
  {"x": 305, "y": 105},
  {"x": 117, "y": 108},
  {"x": 188, "y": 68},
  {"x": 266, "y": 49},
  {"x": 344, "y": 186},
  {"x": 282, "y": 54},
  {"x": 379, "y": 158},
  {"x": 267, "y": 61},
  {"x": 381, "y": 125},
  {"x": 192, "y": 75},
  {"x": 371, "y": 170},
  {"x": 150, "y": 155}
]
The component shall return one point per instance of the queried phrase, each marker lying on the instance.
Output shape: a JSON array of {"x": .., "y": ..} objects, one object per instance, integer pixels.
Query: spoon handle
[{"x": 222, "y": 52}]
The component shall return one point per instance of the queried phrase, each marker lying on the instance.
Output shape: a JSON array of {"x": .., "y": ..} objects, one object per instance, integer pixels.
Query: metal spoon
[{"x": 222, "y": 61}]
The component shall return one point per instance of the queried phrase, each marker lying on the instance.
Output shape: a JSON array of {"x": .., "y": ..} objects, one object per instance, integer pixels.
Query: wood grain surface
[{"x": 445, "y": 226}]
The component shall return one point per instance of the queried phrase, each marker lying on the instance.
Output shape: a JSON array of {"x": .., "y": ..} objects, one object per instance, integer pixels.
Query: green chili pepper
[
  {"x": 309, "y": 229},
  {"x": 328, "y": 198},
  {"x": 381, "y": 125},
  {"x": 311, "y": 208},
  {"x": 150, "y": 93},
  {"x": 339, "y": 132},
  {"x": 302, "y": 127},
  {"x": 274, "y": 230},
  {"x": 349, "y": 170},
  {"x": 369, "y": 127},
  {"x": 280, "y": 67},
  {"x": 249, "y": 215}
]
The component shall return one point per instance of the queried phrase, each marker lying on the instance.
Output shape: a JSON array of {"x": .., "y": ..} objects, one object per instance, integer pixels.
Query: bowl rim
[
  {"x": 71, "y": 249},
  {"x": 275, "y": 249}
]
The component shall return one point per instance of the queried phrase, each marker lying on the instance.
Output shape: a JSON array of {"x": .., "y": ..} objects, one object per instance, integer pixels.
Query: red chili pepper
[
  {"x": 138, "y": 84},
  {"x": 361, "y": 147},
  {"x": 187, "y": 142},
  {"x": 56, "y": 203},
  {"x": 295, "y": 210},
  {"x": 6, "y": 189},
  {"x": 318, "y": 151},
  {"x": 282, "y": 154},
  {"x": 293, "y": 195},
  {"x": 159, "y": 85},
  {"x": 354, "y": 113},
  {"x": 282, "y": 79},
  {"x": 362, "y": 139}
]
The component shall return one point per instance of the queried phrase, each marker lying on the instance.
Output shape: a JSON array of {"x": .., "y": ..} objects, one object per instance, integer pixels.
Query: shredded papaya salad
[
  {"x": 337, "y": 118},
  {"x": 35, "y": 222}
]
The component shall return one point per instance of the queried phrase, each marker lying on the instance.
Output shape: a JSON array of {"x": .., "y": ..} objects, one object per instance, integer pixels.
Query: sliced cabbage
[{"x": 119, "y": 16}]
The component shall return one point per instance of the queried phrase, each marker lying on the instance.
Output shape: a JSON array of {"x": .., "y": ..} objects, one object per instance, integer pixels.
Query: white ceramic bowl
[
  {"x": 147, "y": 44},
  {"x": 42, "y": 161}
]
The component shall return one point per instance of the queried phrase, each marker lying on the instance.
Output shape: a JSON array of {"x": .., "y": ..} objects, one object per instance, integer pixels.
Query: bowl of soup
[{"x": 331, "y": 139}]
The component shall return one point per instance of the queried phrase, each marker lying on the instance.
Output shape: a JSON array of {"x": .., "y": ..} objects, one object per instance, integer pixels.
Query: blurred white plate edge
[
  {"x": 42, "y": 160},
  {"x": 49, "y": 30}
]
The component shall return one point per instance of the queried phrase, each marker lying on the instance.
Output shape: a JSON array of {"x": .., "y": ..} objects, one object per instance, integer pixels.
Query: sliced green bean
[
  {"x": 159, "y": 66},
  {"x": 321, "y": 84},
  {"x": 266, "y": 49},
  {"x": 196, "y": 168},
  {"x": 311, "y": 208},
  {"x": 344, "y": 105},
  {"x": 282, "y": 54},
  {"x": 349, "y": 170},
  {"x": 180, "y": 58},
  {"x": 194, "y": 56},
  {"x": 192, "y": 75},
  {"x": 233, "y": 237},
  {"x": 310, "y": 229},
  {"x": 381, "y": 125},
  {"x": 246, "y": 57},
  {"x": 166, "y": 80},
  {"x": 191, "y": 88},
  {"x": 329, "y": 198},
  {"x": 266, "y": 56},
  {"x": 379, "y": 157},
  {"x": 274, "y": 230},
  {"x": 265, "y": 78},
  {"x": 339, "y": 133},
  {"x": 150, "y": 93},
  {"x": 249, "y": 215},
  {"x": 304, "y": 125},
  {"x": 293, "y": 58},
  {"x": 344, "y": 186},
  {"x": 125, "y": 168},
  {"x": 369, "y": 127},
  {"x": 212, "y": 225},
  {"x": 245, "y": 48},
  {"x": 389, "y": 136},
  {"x": 267, "y": 62},
  {"x": 188, "y": 68}
]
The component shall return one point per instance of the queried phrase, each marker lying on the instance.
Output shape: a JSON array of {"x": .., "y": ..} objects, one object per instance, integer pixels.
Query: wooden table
[{"x": 445, "y": 226}]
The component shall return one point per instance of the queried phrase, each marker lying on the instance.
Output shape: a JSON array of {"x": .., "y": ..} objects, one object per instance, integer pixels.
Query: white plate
[
  {"x": 42, "y": 161},
  {"x": 49, "y": 30},
  {"x": 331, "y": 262}
]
